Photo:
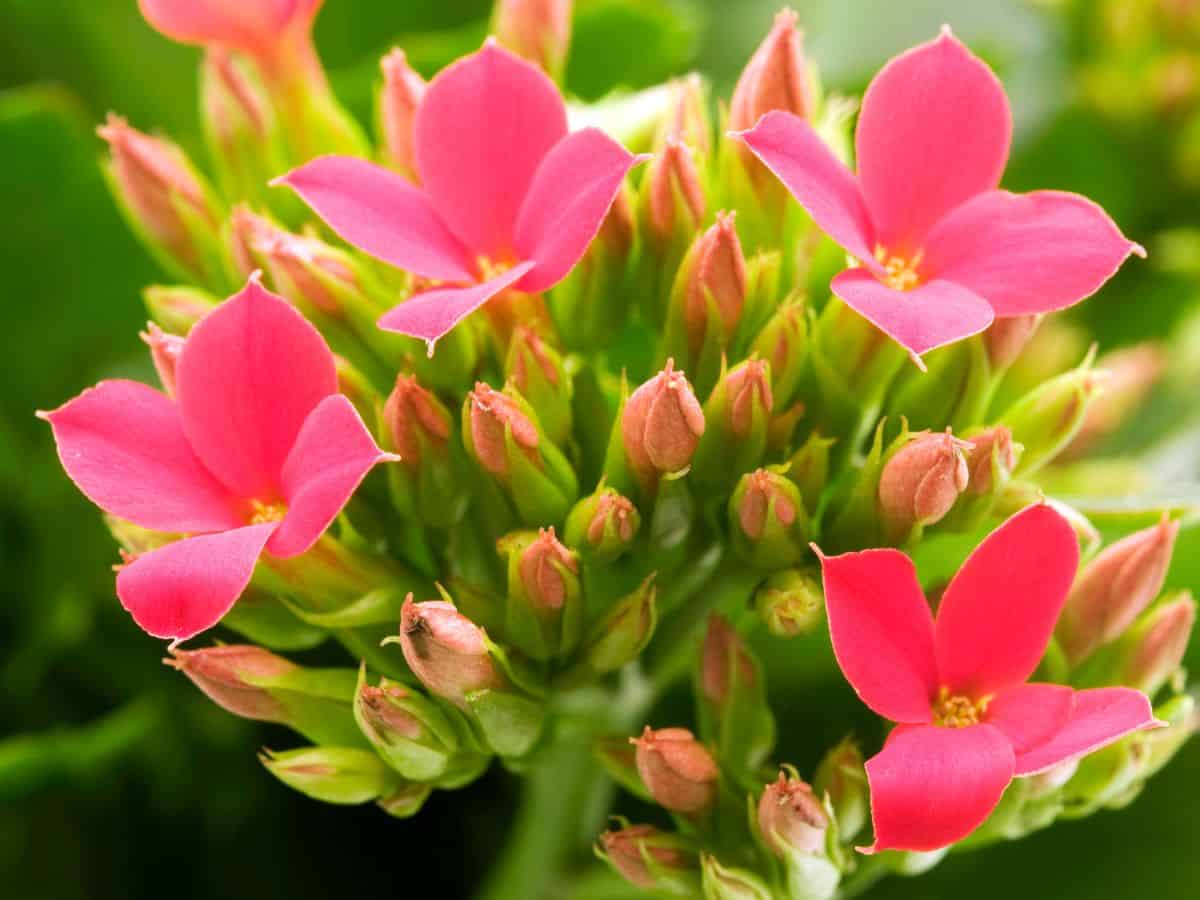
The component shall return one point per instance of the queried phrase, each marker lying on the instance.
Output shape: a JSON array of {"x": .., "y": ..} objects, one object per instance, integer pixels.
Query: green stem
[{"x": 869, "y": 872}]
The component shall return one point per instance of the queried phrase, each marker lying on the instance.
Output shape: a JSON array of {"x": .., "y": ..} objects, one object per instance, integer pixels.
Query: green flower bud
[
  {"x": 340, "y": 775},
  {"x": 544, "y": 613},
  {"x": 406, "y": 801},
  {"x": 409, "y": 731},
  {"x": 1159, "y": 745},
  {"x": 538, "y": 372},
  {"x": 400, "y": 94},
  {"x": 791, "y": 602},
  {"x": 721, "y": 883},
  {"x": 768, "y": 521},
  {"x": 732, "y": 698},
  {"x": 736, "y": 416},
  {"x": 809, "y": 468},
  {"x": 842, "y": 778},
  {"x": 624, "y": 631},
  {"x": 1046, "y": 419},
  {"x": 603, "y": 525},
  {"x": 176, "y": 307},
  {"x": 651, "y": 859},
  {"x": 783, "y": 343}
]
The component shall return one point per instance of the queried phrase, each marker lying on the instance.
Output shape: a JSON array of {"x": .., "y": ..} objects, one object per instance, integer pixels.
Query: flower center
[
  {"x": 899, "y": 272},
  {"x": 489, "y": 268},
  {"x": 957, "y": 711},
  {"x": 261, "y": 513}
]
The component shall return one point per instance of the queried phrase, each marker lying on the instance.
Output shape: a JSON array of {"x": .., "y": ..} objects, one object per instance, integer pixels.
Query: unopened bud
[
  {"x": 603, "y": 525},
  {"x": 791, "y": 603},
  {"x": 546, "y": 567},
  {"x": 233, "y": 675},
  {"x": 406, "y": 801},
  {"x": 920, "y": 483},
  {"x": 775, "y": 78},
  {"x": 538, "y": 372},
  {"x": 1114, "y": 588},
  {"x": 809, "y": 468},
  {"x": 842, "y": 777},
  {"x": 679, "y": 772},
  {"x": 650, "y": 859},
  {"x": 164, "y": 353},
  {"x": 405, "y": 728},
  {"x": 178, "y": 308},
  {"x": 544, "y": 614},
  {"x": 539, "y": 30},
  {"x": 715, "y": 292},
  {"x": 738, "y": 417},
  {"x": 417, "y": 421},
  {"x": 769, "y": 521},
  {"x": 725, "y": 662},
  {"x": 791, "y": 818},
  {"x": 993, "y": 456},
  {"x": 686, "y": 119},
  {"x": 720, "y": 882},
  {"x": 401, "y": 94},
  {"x": 446, "y": 650},
  {"x": 617, "y": 228},
  {"x": 624, "y": 632},
  {"x": 1152, "y": 652},
  {"x": 661, "y": 426},
  {"x": 674, "y": 199},
  {"x": 340, "y": 775},
  {"x": 783, "y": 343},
  {"x": 1046, "y": 419},
  {"x": 1006, "y": 338},
  {"x": 495, "y": 422},
  {"x": 1130, "y": 374},
  {"x": 1159, "y": 745},
  {"x": 239, "y": 123}
]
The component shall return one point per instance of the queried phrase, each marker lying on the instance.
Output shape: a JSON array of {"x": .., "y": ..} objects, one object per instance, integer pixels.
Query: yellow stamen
[
  {"x": 489, "y": 268},
  {"x": 899, "y": 273},
  {"x": 261, "y": 513},
  {"x": 958, "y": 711}
]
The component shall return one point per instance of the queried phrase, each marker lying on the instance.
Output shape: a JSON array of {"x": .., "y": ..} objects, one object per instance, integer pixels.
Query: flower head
[
  {"x": 941, "y": 250},
  {"x": 508, "y": 198},
  {"x": 256, "y": 451},
  {"x": 968, "y": 721}
]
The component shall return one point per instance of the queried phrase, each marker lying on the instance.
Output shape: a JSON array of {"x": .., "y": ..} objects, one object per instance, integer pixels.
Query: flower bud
[
  {"x": 1006, "y": 338},
  {"x": 405, "y": 728},
  {"x": 401, "y": 94},
  {"x": 417, "y": 422},
  {"x": 544, "y": 613},
  {"x": 538, "y": 372},
  {"x": 446, "y": 651},
  {"x": 1159, "y": 745},
  {"x": 164, "y": 353},
  {"x": 715, "y": 291},
  {"x": 920, "y": 483},
  {"x": 650, "y": 859},
  {"x": 679, "y": 772},
  {"x": 603, "y": 525},
  {"x": 993, "y": 456},
  {"x": 783, "y": 343},
  {"x": 686, "y": 119},
  {"x": 721, "y": 883},
  {"x": 1114, "y": 588},
  {"x": 178, "y": 308},
  {"x": 232, "y": 676},
  {"x": 775, "y": 78},
  {"x": 239, "y": 124},
  {"x": 674, "y": 199},
  {"x": 406, "y": 801},
  {"x": 725, "y": 663},
  {"x": 1130, "y": 374},
  {"x": 546, "y": 568},
  {"x": 164, "y": 197},
  {"x": 791, "y": 603},
  {"x": 539, "y": 30},
  {"x": 732, "y": 699},
  {"x": 768, "y": 520},
  {"x": 624, "y": 632},
  {"x": 1046, "y": 419},
  {"x": 661, "y": 426},
  {"x": 1152, "y": 651},
  {"x": 493, "y": 422},
  {"x": 842, "y": 777},
  {"x": 791, "y": 818},
  {"x": 809, "y": 468},
  {"x": 737, "y": 414},
  {"x": 342, "y": 775}
]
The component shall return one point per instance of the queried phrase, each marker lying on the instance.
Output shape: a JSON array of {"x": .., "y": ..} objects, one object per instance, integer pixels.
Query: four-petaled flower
[
  {"x": 968, "y": 721},
  {"x": 508, "y": 199},
  {"x": 257, "y": 451},
  {"x": 941, "y": 251}
]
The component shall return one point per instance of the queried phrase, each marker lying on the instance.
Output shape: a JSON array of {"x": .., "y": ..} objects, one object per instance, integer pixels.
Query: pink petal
[
  {"x": 249, "y": 374},
  {"x": 485, "y": 125},
  {"x": 1030, "y": 714},
  {"x": 123, "y": 445},
  {"x": 431, "y": 314},
  {"x": 934, "y": 131},
  {"x": 1099, "y": 717},
  {"x": 571, "y": 192},
  {"x": 382, "y": 214},
  {"x": 181, "y": 589},
  {"x": 882, "y": 632},
  {"x": 933, "y": 786},
  {"x": 928, "y": 316},
  {"x": 333, "y": 453},
  {"x": 789, "y": 147},
  {"x": 253, "y": 27},
  {"x": 998, "y": 612},
  {"x": 1027, "y": 253}
]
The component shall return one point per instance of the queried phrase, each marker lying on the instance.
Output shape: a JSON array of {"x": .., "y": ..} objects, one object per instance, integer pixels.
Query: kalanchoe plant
[{"x": 656, "y": 393}]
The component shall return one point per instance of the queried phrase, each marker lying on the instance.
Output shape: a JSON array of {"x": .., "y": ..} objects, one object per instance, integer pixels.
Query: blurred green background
[{"x": 119, "y": 780}]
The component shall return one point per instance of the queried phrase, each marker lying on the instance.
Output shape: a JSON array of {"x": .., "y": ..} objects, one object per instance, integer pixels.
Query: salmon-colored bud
[
  {"x": 230, "y": 675},
  {"x": 164, "y": 353},
  {"x": 299, "y": 265},
  {"x": 749, "y": 387},
  {"x": 1114, "y": 588},
  {"x": 1006, "y": 338},
  {"x": 1158, "y": 644},
  {"x": 616, "y": 513},
  {"x": 686, "y": 119},
  {"x": 1131, "y": 373},
  {"x": 539, "y": 30},
  {"x": 603, "y": 525},
  {"x": 990, "y": 449},
  {"x": 446, "y": 650},
  {"x": 415, "y": 418},
  {"x": 235, "y": 107},
  {"x": 724, "y": 662},
  {"x": 661, "y": 425},
  {"x": 531, "y": 350},
  {"x": 402, "y": 92},
  {"x": 618, "y": 227},
  {"x": 381, "y": 715},
  {"x": 921, "y": 482},
  {"x": 674, "y": 198},
  {"x": 491, "y": 416},
  {"x": 717, "y": 276},
  {"x": 775, "y": 78},
  {"x": 644, "y": 855},
  {"x": 790, "y": 817},
  {"x": 766, "y": 494},
  {"x": 680, "y": 774},
  {"x": 247, "y": 230},
  {"x": 541, "y": 567}
]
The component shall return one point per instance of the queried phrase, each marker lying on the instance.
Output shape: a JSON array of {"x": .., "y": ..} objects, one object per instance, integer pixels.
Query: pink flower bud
[
  {"x": 491, "y": 416},
  {"x": 615, "y": 515},
  {"x": 252, "y": 26},
  {"x": 724, "y": 661},
  {"x": 680, "y": 774},
  {"x": 415, "y": 418},
  {"x": 230, "y": 674},
  {"x": 993, "y": 447},
  {"x": 674, "y": 198},
  {"x": 718, "y": 276},
  {"x": 247, "y": 231},
  {"x": 402, "y": 92},
  {"x": 686, "y": 119},
  {"x": 1131, "y": 373},
  {"x": 661, "y": 425},
  {"x": 234, "y": 106},
  {"x": 1006, "y": 338},
  {"x": 164, "y": 352},
  {"x": 1114, "y": 588},
  {"x": 775, "y": 78},
  {"x": 618, "y": 227},
  {"x": 541, "y": 567},
  {"x": 922, "y": 481},
  {"x": 790, "y": 817},
  {"x": 539, "y": 30},
  {"x": 527, "y": 351},
  {"x": 1158, "y": 646},
  {"x": 748, "y": 387},
  {"x": 381, "y": 715},
  {"x": 765, "y": 493},
  {"x": 446, "y": 650},
  {"x": 629, "y": 848}
]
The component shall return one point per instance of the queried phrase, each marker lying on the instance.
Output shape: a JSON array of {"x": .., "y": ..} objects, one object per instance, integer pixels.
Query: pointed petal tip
[
  {"x": 918, "y": 361},
  {"x": 869, "y": 850},
  {"x": 1137, "y": 249}
]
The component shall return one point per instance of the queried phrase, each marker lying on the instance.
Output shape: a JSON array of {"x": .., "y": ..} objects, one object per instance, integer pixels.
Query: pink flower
[
  {"x": 252, "y": 26},
  {"x": 942, "y": 251},
  {"x": 256, "y": 451},
  {"x": 508, "y": 198},
  {"x": 968, "y": 722}
]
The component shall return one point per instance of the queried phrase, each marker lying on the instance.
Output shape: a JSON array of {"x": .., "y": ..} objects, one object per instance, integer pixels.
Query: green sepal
[
  {"x": 341, "y": 775},
  {"x": 510, "y": 723}
]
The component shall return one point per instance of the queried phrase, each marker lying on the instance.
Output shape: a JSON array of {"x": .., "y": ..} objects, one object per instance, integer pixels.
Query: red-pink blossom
[
  {"x": 941, "y": 250},
  {"x": 968, "y": 722},
  {"x": 256, "y": 450},
  {"x": 252, "y": 26},
  {"x": 508, "y": 199}
]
